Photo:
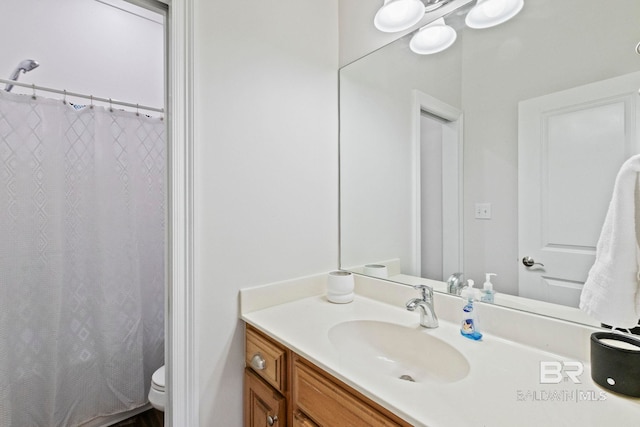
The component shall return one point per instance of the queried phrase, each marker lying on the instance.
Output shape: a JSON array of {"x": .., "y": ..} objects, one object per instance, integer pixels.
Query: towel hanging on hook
[{"x": 611, "y": 293}]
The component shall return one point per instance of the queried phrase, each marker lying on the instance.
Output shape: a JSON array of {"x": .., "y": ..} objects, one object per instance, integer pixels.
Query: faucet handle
[{"x": 427, "y": 291}]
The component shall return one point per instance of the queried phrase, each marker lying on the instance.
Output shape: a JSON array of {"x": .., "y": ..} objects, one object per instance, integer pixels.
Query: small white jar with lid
[
  {"x": 376, "y": 270},
  {"x": 340, "y": 286}
]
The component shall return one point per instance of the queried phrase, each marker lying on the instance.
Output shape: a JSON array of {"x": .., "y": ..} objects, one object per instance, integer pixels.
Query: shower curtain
[{"x": 82, "y": 232}]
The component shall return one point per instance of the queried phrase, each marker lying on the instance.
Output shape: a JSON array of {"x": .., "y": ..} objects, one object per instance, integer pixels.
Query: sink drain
[{"x": 407, "y": 378}]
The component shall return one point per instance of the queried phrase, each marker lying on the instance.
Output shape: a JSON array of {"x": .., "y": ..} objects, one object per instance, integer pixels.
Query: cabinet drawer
[
  {"x": 329, "y": 403},
  {"x": 267, "y": 358}
]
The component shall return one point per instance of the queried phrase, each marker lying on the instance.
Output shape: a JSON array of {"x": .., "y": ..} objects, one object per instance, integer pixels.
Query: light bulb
[
  {"x": 494, "y": 8},
  {"x": 398, "y": 15},
  {"x": 489, "y": 13},
  {"x": 398, "y": 10},
  {"x": 433, "y": 38}
]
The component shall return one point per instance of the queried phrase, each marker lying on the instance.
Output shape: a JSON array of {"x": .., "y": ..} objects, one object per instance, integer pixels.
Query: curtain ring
[
  {"x": 137, "y": 109},
  {"x": 91, "y": 98},
  {"x": 64, "y": 99},
  {"x": 110, "y": 106},
  {"x": 33, "y": 87}
]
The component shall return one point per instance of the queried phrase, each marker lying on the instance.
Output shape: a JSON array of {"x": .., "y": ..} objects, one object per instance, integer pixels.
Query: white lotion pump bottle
[{"x": 487, "y": 289}]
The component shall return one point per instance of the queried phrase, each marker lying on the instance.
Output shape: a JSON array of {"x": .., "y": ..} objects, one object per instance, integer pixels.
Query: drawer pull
[
  {"x": 258, "y": 363},
  {"x": 272, "y": 420}
]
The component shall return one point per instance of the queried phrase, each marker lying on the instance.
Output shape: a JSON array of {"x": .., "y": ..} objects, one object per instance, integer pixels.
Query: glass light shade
[
  {"x": 433, "y": 38},
  {"x": 489, "y": 13},
  {"x": 398, "y": 15}
]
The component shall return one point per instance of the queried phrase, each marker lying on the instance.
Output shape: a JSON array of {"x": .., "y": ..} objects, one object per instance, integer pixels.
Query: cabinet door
[
  {"x": 330, "y": 403},
  {"x": 263, "y": 405},
  {"x": 301, "y": 420}
]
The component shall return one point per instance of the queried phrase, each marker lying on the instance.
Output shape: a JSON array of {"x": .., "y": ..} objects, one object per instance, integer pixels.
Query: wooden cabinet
[
  {"x": 265, "y": 381},
  {"x": 263, "y": 406},
  {"x": 283, "y": 384}
]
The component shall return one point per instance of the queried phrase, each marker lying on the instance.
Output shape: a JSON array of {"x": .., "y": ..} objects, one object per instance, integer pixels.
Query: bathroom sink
[{"x": 402, "y": 352}]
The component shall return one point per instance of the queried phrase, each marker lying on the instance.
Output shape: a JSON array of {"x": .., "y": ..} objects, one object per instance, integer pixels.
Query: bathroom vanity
[
  {"x": 370, "y": 363},
  {"x": 283, "y": 388}
]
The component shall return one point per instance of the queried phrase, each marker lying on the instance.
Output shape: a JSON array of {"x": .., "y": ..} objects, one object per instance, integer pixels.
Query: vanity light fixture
[
  {"x": 399, "y": 15},
  {"x": 433, "y": 38},
  {"x": 489, "y": 13}
]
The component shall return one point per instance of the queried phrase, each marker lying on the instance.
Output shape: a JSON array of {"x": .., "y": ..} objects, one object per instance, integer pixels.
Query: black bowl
[{"x": 616, "y": 369}]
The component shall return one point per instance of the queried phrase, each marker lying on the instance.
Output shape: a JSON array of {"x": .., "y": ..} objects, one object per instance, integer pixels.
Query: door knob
[{"x": 530, "y": 262}]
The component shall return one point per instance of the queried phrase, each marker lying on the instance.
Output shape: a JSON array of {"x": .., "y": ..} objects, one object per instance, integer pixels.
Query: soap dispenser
[
  {"x": 487, "y": 289},
  {"x": 469, "y": 328}
]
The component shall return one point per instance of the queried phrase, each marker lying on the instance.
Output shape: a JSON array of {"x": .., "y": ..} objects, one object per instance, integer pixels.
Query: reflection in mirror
[{"x": 503, "y": 146}]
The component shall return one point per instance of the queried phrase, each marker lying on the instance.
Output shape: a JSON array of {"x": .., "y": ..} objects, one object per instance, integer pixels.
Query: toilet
[{"x": 157, "y": 396}]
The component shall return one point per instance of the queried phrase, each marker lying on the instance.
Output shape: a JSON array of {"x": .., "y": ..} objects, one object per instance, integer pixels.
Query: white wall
[
  {"x": 266, "y": 178},
  {"x": 84, "y": 46},
  {"x": 377, "y": 187}
]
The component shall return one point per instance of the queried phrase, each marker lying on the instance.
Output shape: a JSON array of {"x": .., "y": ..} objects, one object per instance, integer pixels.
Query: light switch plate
[{"x": 483, "y": 211}]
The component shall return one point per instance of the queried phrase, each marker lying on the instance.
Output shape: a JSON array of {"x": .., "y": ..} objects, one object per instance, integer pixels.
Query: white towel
[{"x": 611, "y": 293}]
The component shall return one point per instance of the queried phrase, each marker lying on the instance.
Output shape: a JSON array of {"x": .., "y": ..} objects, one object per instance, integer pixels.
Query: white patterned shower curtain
[{"x": 82, "y": 232}]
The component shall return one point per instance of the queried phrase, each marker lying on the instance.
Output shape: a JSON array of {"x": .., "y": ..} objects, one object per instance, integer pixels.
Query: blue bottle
[{"x": 469, "y": 327}]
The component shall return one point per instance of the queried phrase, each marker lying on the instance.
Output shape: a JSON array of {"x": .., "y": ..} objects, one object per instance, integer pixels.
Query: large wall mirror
[{"x": 504, "y": 146}]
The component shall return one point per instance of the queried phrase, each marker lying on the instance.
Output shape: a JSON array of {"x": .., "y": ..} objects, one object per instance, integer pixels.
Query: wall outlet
[{"x": 483, "y": 210}]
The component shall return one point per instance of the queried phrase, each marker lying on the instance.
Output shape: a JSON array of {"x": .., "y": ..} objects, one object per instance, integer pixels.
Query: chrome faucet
[
  {"x": 428, "y": 317},
  {"x": 455, "y": 283}
]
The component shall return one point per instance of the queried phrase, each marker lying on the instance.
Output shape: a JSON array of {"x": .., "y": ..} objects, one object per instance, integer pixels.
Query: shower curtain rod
[{"x": 80, "y": 95}]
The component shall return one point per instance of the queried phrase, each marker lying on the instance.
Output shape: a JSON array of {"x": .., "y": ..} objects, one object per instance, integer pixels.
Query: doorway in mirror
[
  {"x": 438, "y": 142},
  {"x": 571, "y": 146}
]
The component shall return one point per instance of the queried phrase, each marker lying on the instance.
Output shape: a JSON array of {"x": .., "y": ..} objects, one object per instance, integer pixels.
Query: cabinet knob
[
  {"x": 272, "y": 420},
  {"x": 258, "y": 363}
]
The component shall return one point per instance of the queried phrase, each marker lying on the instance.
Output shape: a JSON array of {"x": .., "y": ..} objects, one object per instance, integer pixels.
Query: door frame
[
  {"x": 452, "y": 182},
  {"x": 181, "y": 326}
]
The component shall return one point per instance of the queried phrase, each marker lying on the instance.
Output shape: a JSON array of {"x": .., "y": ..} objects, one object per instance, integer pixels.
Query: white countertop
[{"x": 502, "y": 388}]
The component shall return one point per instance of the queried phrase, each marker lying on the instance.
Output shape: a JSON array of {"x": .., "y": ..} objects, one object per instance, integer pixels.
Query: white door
[{"x": 571, "y": 145}]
